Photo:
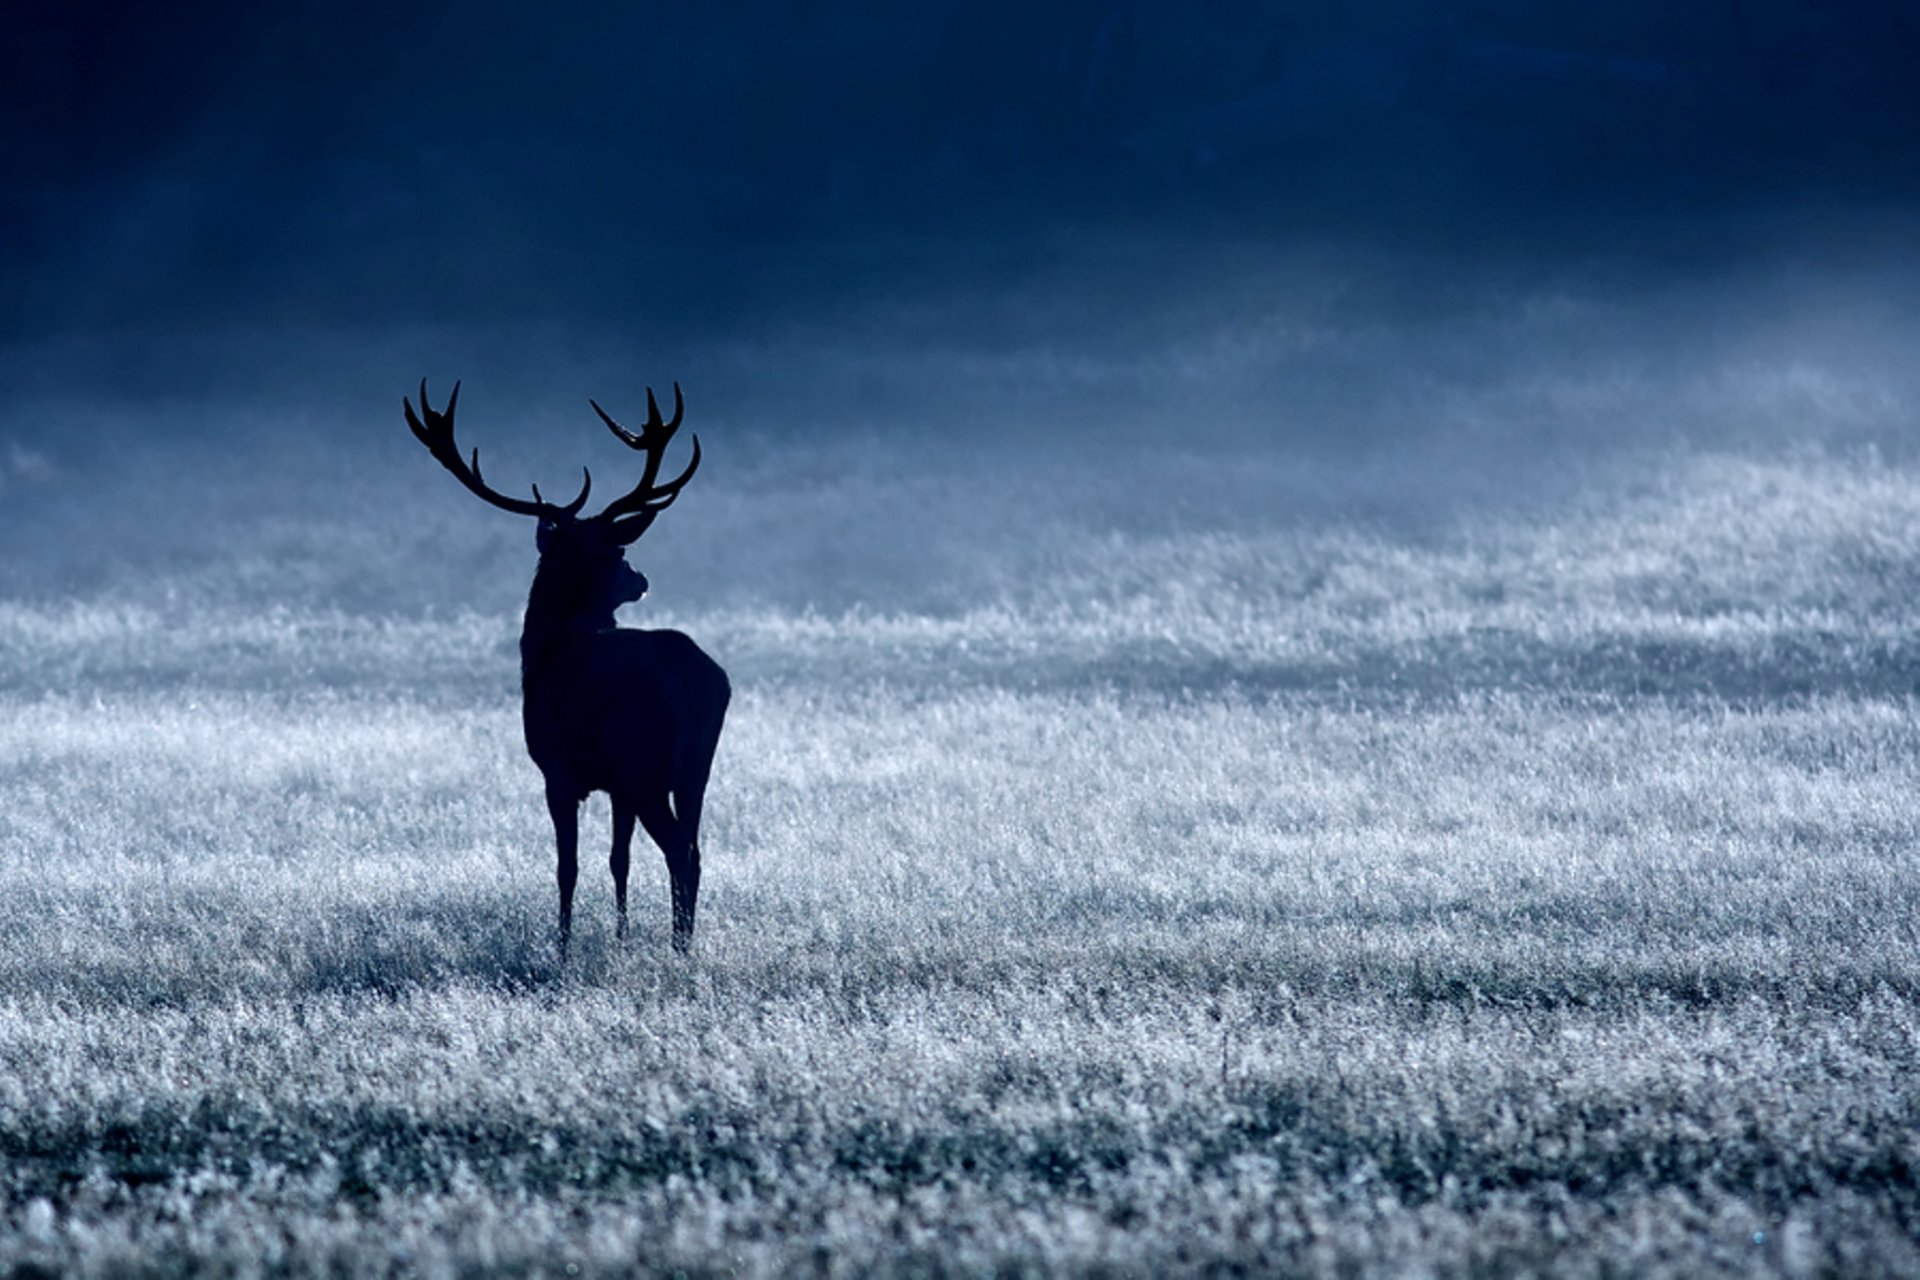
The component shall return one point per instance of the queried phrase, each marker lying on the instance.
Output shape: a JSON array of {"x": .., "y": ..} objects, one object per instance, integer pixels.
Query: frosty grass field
[{"x": 1183, "y": 861}]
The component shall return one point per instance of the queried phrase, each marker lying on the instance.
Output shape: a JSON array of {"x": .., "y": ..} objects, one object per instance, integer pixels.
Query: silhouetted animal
[{"x": 635, "y": 714}]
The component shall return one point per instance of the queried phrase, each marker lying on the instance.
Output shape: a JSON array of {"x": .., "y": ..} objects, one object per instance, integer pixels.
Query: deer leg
[
  {"x": 617, "y": 862},
  {"x": 666, "y": 830},
  {"x": 566, "y": 833},
  {"x": 685, "y": 869}
]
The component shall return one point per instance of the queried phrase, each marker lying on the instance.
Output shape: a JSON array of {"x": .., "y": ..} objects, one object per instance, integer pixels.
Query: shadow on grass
[
  {"x": 392, "y": 950},
  {"x": 219, "y": 947}
]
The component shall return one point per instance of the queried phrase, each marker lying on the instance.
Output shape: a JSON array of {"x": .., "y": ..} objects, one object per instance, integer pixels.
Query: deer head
[{"x": 582, "y": 558}]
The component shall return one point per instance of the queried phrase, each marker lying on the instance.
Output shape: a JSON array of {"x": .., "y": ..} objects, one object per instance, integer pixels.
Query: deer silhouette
[{"x": 633, "y": 713}]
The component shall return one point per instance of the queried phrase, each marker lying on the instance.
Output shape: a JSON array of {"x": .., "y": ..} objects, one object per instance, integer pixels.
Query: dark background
[{"x": 672, "y": 167}]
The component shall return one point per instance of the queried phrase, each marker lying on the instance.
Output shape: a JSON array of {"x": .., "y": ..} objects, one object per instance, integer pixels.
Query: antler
[
  {"x": 629, "y": 516},
  {"x": 437, "y": 435}
]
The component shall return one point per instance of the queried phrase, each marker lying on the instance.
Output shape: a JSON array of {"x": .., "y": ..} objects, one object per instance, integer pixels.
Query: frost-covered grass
[{"x": 1268, "y": 885}]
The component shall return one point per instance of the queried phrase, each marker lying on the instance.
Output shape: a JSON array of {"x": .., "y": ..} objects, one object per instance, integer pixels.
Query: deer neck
[{"x": 558, "y": 611}]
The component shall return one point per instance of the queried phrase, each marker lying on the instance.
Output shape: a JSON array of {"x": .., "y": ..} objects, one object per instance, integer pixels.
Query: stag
[{"x": 633, "y": 713}]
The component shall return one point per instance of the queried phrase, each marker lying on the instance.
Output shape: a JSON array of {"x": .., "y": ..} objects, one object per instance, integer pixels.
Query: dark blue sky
[{"x": 679, "y": 165}]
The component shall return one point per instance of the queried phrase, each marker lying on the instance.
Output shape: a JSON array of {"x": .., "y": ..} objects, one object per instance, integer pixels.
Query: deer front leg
[
  {"x": 617, "y": 862},
  {"x": 565, "y": 811}
]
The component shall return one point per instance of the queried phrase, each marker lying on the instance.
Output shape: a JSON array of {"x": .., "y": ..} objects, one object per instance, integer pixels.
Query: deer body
[
  {"x": 624, "y": 710},
  {"x": 636, "y": 714}
]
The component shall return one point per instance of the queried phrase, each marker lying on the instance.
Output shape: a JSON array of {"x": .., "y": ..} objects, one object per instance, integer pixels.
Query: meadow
[{"x": 1124, "y": 857}]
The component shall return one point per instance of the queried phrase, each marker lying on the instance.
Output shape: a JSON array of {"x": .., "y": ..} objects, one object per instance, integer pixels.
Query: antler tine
[
  {"x": 654, "y": 435},
  {"x": 648, "y": 498},
  {"x": 679, "y": 410},
  {"x": 572, "y": 508},
  {"x": 627, "y": 437},
  {"x": 436, "y": 433}
]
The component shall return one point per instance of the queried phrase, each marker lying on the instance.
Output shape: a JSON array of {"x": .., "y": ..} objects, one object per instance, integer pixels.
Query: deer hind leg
[
  {"x": 686, "y": 874},
  {"x": 670, "y": 833},
  {"x": 617, "y": 862},
  {"x": 689, "y": 798},
  {"x": 565, "y": 811}
]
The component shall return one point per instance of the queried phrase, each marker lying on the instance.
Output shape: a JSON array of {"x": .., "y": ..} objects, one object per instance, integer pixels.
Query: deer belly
[{"x": 602, "y": 749}]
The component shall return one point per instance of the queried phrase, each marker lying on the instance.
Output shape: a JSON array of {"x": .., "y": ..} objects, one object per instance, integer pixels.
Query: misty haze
[{"x": 1322, "y": 613}]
